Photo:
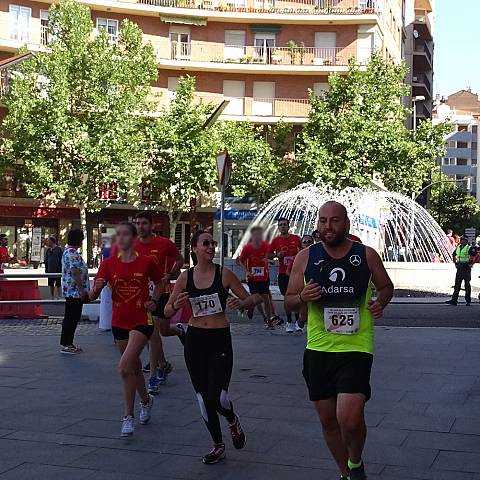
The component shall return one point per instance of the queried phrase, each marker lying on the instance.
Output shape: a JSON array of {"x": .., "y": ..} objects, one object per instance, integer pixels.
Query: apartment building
[
  {"x": 418, "y": 50},
  {"x": 460, "y": 162},
  {"x": 262, "y": 55}
]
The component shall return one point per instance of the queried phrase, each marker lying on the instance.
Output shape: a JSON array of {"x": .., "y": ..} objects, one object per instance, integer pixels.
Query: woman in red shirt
[{"x": 128, "y": 275}]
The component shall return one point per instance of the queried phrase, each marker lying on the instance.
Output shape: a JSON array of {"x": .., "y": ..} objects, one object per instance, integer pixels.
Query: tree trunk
[{"x": 172, "y": 220}]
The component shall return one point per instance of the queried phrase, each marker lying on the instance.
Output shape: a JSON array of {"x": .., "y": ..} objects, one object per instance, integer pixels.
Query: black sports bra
[{"x": 215, "y": 287}]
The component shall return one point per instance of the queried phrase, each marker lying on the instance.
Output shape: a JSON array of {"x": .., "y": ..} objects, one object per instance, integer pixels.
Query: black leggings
[{"x": 209, "y": 359}]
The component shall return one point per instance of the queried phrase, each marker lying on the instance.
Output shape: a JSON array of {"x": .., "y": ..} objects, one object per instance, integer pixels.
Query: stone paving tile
[{"x": 423, "y": 421}]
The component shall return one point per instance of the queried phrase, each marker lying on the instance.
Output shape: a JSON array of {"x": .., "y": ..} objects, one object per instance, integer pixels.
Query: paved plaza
[{"x": 61, "y": 414}]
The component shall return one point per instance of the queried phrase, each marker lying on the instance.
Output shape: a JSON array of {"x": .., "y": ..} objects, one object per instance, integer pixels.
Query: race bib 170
[
  {"x": 340, "y": 320},
  {"x": 206, "y": 305},
  {"x": 258, "y": 271}
]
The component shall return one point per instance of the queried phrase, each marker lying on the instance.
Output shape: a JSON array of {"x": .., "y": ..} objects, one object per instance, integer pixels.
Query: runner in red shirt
[
  {"x": 168, "y": 261},
  {"x": 3, "y": 251},
  {"x": 128, "y": 275},
  {"x": 254, "y": 260},
  {"x": 285, "y": 247}
]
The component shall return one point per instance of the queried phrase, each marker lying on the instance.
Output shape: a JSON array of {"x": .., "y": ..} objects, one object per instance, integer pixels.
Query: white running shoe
[
  {"x": 146, "y": 411},
  {"x": 298, "y": 328},
  {"x": 128, "y": 426},
  {"x": 290, "y": 327}
]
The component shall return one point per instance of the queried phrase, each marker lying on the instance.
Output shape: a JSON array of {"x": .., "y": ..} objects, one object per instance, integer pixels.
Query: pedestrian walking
[
  {"x": 74, "y": 288},
  {"x": 53, "y": 264}
]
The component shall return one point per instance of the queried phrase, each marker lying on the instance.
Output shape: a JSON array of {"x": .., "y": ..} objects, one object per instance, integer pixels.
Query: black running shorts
[
  {"x": 283, "y": 279},
  {"x": 262, "y": 287},
  {"x": 330, "y": 373},
  {"x": 123, "y": 333}
]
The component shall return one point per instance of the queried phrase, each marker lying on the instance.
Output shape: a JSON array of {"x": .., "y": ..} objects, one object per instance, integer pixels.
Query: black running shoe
[
  {"x": 238, "y": 436},
  {"x": 451, "y": 302},
  {"x": 146, "y": 368},
  {"x": 215, "y": 455},
  {"x": 278, "y": 320},
  {"x": 182, "y": 335},
  {"x": 358, "y": 473}
]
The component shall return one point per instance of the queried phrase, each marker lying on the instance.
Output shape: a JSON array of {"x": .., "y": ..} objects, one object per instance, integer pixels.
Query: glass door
[
  {"x": 180, "y": 45},
  {"x": 264, "y": 47}
]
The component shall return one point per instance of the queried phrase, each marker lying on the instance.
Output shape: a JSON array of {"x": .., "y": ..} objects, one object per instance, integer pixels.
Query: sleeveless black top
[
  {"x": 215, "y": 287},
  {"x": 343, "y": 280}
]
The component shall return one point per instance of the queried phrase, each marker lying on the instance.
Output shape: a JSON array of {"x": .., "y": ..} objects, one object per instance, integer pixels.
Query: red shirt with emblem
[
  {"x": 129, "y": 284},
  {"x": 290, "y": 246},
  {"x": 255, "y": 261}
]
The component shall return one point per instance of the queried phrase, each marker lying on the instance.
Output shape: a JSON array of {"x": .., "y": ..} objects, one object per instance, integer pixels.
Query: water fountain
[{"x": 396, "y": 226}]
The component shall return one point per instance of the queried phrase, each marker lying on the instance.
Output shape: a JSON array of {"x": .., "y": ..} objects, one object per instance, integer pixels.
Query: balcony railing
[
  {"x": 260, "y": 55},
  {"x": 260, "y": 107},
  {"x": 422, "y": 47},
  {"x": 320, "y": 7},
  {"x": 422, "y": 79}
]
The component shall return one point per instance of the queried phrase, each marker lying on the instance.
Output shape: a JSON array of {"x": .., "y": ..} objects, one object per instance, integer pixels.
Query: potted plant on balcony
[
  {"x": 292, "y": 50},
  {"x": 302, "y": 50},
  {"x": 327, "y": 62}
]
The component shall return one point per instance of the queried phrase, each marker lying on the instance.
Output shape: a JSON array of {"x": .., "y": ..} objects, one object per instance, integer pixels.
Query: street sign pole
[
  {"x": 224, "y": 165},
  {"x": 222, "y": 225}
]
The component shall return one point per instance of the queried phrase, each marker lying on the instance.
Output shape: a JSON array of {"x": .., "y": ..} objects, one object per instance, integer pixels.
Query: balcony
[
  {"x": 260, "y": 110},
  {"x": 215, "y": 56},
  {"x": 422, "y": 57},
  {"x": 423, "y": 25},
  {"x": 282, "y": 7},
  {"x": 421, "y": 85}
]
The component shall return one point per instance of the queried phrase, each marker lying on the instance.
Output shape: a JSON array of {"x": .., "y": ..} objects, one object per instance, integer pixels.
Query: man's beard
[{"x": 336, "y": 240}]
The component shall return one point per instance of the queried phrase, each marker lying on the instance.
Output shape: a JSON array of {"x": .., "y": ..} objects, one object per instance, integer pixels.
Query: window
[
  {"x": 264, "y": 47},
  {"x": 474, "y": 146},
  {"x": 234, "y": 90},
  {"x": 462, "y": 128},
  {"x": 474, "y": 161},
  {"x": 20, "y": 23},
  {"x": 475, "y": 129},
  {"x": 180, "y": 48},
  {"x": 43, "y": 27},
  {"x": 462, "y": 144},
  {"x": 325, "y": 48},
  {"x": 462, "y": 161},
  {"x": 172, "y": 88},
  {"x": 110, "y": 25},
  {"x": 319, "y": 88},
  {"x": 451, "y": 144},
  {"x": 263, "y": 102},
  {"x": 234, "y": 45}
]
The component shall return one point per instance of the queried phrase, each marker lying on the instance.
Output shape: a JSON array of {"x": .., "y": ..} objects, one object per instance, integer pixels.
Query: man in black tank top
[{"x": 333, "y": 278}]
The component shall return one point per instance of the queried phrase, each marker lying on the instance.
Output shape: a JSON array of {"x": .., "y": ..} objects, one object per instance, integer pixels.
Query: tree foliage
[
  {"x": 357, "y": 130},
  {"x": 452, "y": 207},
  {"x": 76, "y": 111},
  {"x": 182, "y": 165}
]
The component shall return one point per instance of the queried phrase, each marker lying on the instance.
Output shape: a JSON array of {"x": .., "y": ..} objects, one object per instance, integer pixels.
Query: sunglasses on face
[
  {"x": 208, "y": 243},
  {"x": 308, "y": 242}
]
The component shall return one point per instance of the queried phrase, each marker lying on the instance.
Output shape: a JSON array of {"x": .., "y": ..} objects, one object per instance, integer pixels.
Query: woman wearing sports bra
[{"x": 208, "y": 343}]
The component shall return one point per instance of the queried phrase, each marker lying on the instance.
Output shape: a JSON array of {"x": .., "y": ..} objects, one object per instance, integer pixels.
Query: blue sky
[{"x": 457, "y": 46}]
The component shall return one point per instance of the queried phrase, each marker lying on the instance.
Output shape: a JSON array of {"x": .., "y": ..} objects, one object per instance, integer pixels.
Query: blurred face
[
  {"x": 333, "y": 224},
  {"x": 205, "y": 248},
  {"x": 50, "y": 243},
  {"x": 125, "y": 238},
  {"x": 283, "y": 227},
  {"x": 144, "y": 228},
  {"x": 257, "y": 236},
  {"x": 307, "y": 240},
  {"x": 463, "y": 242}
]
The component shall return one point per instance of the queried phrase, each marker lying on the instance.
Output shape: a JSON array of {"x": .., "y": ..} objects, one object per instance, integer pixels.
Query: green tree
[
  {"x": 183, "y": 165},
  {"x": 76, "y": 113},
  {"x": 357, "y": 130},
  {"x": 452, "y": 207}
]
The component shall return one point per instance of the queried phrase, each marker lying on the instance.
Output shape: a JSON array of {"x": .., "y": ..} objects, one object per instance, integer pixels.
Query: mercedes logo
[{"x": 355, "y": 260}]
